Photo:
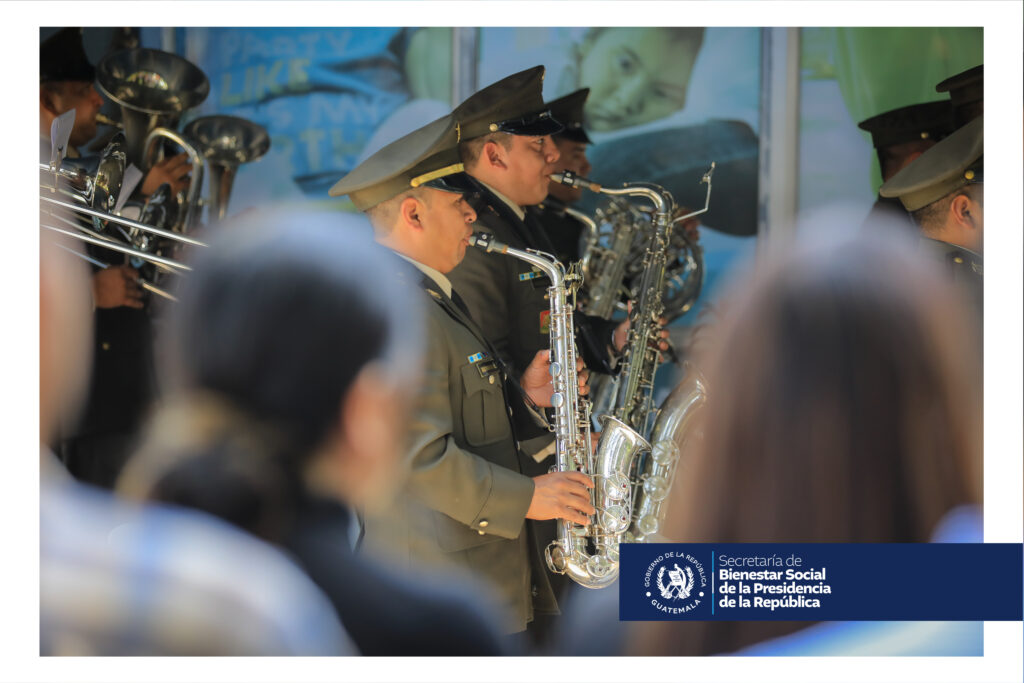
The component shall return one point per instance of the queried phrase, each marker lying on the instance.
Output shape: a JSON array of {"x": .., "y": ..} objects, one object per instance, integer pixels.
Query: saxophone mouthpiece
[
  {"x": 486, "y": 241},
  {"x": 572, "y": 180}
]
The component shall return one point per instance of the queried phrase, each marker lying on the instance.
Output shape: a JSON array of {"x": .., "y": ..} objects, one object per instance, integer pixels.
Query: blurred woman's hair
[
  {"x": 844, "y": 406},
  {"x": 279, "y": 316}
]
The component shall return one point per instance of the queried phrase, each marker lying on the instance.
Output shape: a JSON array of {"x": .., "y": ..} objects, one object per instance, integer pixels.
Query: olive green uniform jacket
[
  {"x": 508, "y": 297},
  {"x": 466, "y": 499},
  {"x": 962, "y": 266}
]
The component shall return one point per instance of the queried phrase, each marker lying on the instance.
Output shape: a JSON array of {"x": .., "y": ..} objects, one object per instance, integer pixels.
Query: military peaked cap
[
  {"x": 568, "y": 110},
  {"x": 62, "y": 58},
  {"x": 427, "y": 156},
  {"x": 946, "y": 167},
  {"x": 512, "y": 105},
  {"x": 966, "y": 91},
  {"x": 927, "y": 121}
]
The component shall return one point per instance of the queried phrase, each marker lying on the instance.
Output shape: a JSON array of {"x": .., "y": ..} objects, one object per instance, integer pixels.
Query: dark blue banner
[{"x": 821, "y": 581}]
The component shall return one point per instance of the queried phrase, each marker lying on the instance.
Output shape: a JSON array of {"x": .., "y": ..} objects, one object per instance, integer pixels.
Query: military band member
[
  {"x": 944, "y": 192},
  {"x": 121, "y": 387},
  {"x": 562, "y": 229},
  {"x": 506, "y": 146},
  {"x": 464, "y": 436},
  {"x": 899, "y": 136}
]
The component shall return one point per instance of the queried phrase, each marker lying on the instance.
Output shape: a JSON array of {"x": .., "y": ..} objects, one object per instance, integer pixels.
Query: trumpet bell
[{"x": 153, "y": 88}]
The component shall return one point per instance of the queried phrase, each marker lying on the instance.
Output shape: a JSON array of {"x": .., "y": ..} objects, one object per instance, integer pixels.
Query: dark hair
[
  {"x": 843, "y": 406},
  {"x": 470, "y": 150},
  {"x": 271, "y": 328},
  {"x": 932, "y": 217}
]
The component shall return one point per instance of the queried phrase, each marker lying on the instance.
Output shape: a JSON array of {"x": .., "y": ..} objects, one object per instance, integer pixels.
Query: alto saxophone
[{"x": 569, "y": 553}]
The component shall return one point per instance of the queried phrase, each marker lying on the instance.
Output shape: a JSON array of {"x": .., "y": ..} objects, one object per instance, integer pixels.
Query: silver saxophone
[
  {"x": 604, "y": 265},
  {"x": 675, "y": 430},
  {"x": 631, "y": 411},
  {"x": 587, "y": 554}
]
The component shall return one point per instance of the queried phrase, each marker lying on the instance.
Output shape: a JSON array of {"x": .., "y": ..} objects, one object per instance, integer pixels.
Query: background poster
[{"x": 665, "y": 101}]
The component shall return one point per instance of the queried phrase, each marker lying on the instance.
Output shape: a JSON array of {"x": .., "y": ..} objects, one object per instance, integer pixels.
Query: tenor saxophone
[
  {"x": 631, "y": 412},
  {"x": 674, "y": 432},
  {"x": 584, "y": 553}
]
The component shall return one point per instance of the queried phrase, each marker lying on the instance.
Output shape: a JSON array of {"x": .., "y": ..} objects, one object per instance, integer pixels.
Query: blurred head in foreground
[
  {"x": 843, "y": 407},
  {"x": 65, "y": 333},
  {"x": 123, "y": 579},
  {"x": 289, "y": 366}
]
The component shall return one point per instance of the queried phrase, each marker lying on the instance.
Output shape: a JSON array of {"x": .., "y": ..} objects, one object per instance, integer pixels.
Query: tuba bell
[
  {"x": 153, "y": 89},
  {"x": 225, "y": 142}
]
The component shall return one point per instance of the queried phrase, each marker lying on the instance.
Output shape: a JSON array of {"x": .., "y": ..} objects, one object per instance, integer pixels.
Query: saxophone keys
[
  {"x": 656, "y": 488},
  {"x": 616, "y": 486}
]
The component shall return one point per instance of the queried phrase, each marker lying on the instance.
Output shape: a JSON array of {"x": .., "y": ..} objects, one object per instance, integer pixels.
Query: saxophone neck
[{"x": 547, "y": 263}]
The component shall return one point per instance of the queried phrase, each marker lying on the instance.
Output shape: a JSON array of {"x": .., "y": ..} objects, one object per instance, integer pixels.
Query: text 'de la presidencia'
[{"x": 821, "y": 581}]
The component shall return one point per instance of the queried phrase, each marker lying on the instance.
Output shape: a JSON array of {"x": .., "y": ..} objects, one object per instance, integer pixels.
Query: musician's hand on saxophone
[
  {"x": 621, "y": 333},
  {"x": 561, "y": 495},
  {"x": 536, "y": 380},
  {"x": 689, "y": 226}
]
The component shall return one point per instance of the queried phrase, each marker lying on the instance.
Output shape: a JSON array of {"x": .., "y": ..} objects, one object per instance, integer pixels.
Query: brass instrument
[
  {"x": 154, "y": 89},
  {"x": 225, "y": 142},
  {"x": 606, "y": 256},
  {"x": 630, "y": 414},
  {"x": 68, "y": 187},
  {"x": 674, "y": 431},
  {"x": 569, "y": 553}
]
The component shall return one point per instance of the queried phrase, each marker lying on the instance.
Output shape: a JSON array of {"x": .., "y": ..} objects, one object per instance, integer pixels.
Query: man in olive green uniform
[
  {"x": 944, "y": 192},
  {"x": 506, "y": 146},
  {"x": 900, "y": 136},
  {"x": 564, "y": 231},
  {"x": 470, "y": 415}
]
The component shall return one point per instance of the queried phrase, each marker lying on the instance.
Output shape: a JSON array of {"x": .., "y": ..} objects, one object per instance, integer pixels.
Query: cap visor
[
  {"x": 544, "y": 126},
  {"x": 576, "y": 135},
  {"x": 460, "y": 183}
]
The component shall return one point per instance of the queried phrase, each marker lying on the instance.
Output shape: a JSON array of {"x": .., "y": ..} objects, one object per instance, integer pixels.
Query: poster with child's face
[{"x": 664, "y": 103}]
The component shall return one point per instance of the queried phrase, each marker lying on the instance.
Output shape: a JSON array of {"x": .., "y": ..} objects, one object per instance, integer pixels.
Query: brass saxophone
[{"x": 570, "y": 553}]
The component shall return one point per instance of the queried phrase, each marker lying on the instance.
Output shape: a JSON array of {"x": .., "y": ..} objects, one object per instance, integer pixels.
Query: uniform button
[
  {"x": 957, "y": 259},
  {"x": 483, "y": 523},
  {"x": 533, "y": 591},
  {"x": 105, "y": 346},
  {"x": 491, "y": 379}
]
